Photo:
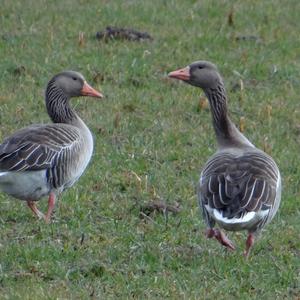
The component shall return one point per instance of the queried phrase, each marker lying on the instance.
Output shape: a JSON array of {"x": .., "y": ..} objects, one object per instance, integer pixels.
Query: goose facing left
[
  {"x": 45, "y": 159},
  {"x": 240, "y": 185}
]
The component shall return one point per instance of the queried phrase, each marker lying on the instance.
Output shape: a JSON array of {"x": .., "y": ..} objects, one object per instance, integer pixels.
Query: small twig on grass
[
  {"x": 148, "y": 218},
  {"x": 82, "y": 239},
  {"x": 117, "y": 33},
  {"x": 252, "y": 38},
  {"x": 160, "y": 207}
]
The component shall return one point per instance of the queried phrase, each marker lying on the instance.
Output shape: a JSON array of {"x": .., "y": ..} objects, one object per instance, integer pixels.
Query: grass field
[{"x": 152, "y": 136}]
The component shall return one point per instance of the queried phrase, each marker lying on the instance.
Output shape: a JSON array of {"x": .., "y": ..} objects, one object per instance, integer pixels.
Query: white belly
[{"x": 30, "y": 185}]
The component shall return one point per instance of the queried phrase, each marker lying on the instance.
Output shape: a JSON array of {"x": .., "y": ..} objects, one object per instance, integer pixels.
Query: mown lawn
[{"x": 152, "y": 136}]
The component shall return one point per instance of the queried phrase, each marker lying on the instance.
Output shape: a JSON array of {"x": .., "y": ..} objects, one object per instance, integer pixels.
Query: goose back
[{"x": 239, "y": 189}]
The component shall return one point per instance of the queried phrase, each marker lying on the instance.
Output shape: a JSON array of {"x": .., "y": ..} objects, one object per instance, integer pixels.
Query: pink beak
[
  {"x": 182, "y": 74},
  {"x": 87, "y": 90}
]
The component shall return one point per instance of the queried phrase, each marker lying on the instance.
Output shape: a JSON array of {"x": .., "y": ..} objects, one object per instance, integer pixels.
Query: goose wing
[
  {"x": 235, "y": 185},
  {"x": 38, "y": 147}
]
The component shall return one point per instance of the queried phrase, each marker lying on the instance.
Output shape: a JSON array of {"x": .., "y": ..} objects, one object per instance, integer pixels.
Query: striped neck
[
  {"x": 226, "y": 132},
  {"x": 57, "y": 103}
]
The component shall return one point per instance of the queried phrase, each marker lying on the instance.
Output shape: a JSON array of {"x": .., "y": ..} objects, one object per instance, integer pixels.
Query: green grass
[{"x": 151, "y": 141}]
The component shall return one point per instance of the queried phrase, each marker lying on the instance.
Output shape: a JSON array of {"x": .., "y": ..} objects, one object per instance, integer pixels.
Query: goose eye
[
  {"x": 74, "y": 78},
  {"x": 200, "y": 67}
]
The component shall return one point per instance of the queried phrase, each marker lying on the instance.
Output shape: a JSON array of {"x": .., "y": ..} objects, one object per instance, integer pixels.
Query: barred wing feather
[
  {"x": 236, "y": 185},
  {"x": 38, "y": 147}
]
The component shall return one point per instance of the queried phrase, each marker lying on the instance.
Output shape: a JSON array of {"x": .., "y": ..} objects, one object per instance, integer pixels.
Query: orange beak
[
  {"x": 182, "y": 74},
  {"x": 87, "y": 90}
]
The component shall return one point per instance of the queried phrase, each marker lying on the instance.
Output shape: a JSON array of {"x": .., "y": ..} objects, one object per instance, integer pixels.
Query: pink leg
[
  {"x": 249, "y": 244},
  {"x": 33, "y": 207},
  {"x": 221, "y": 237},
  {"x": 51, "y": 204}
]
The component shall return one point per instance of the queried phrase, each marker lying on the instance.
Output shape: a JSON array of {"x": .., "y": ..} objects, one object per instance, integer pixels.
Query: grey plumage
[
  {"x": 240, "y": 186},
  {"x": 43, "y": 159},
  {"x": 236, "y": 185}
]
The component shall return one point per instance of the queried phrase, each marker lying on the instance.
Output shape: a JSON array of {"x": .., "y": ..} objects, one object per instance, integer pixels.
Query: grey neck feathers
[
  {"x": 226, "y": 132},
  {"x": 57, "y": 104}
]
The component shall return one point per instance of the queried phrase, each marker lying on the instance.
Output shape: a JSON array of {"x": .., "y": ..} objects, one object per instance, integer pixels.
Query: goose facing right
[
  {"x": 45, "y": 159},
  {"x": 240, "y": 185}
]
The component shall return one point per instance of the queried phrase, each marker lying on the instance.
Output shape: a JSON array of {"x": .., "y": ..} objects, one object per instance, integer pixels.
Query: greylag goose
[
  {"x": 43, "y": 160},
  {"x": 240, "y": 185}
]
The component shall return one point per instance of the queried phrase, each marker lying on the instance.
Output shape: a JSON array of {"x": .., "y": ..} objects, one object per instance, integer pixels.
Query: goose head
[
  {"x": 73, "y": 84},
  {"x": 201, "y": 74}
]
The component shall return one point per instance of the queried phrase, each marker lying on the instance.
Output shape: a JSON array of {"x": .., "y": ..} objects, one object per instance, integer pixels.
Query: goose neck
[
  {"x": 58, "y": 107},
  {"x": 226, "y": 132}
]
